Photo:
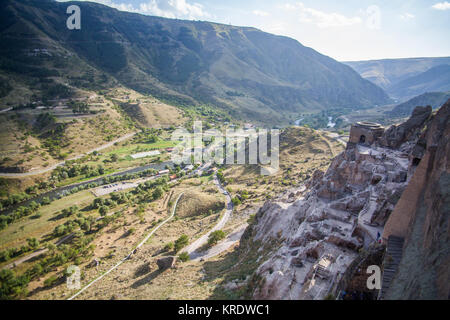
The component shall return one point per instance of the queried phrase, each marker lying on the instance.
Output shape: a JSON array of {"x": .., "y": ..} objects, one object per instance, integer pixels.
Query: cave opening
[
  {"x": 416, "y": 161},
  {"x": 362, "y": 139}
]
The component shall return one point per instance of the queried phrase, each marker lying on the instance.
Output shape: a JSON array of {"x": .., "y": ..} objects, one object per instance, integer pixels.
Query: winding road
[
  {"x": 230, "y": 240},
  {"x": 191, "y": 249},
  {"x": 40, "y": 171}
]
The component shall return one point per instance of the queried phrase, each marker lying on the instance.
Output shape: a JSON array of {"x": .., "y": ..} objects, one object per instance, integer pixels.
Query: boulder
[{"x": 166, "y": 262}]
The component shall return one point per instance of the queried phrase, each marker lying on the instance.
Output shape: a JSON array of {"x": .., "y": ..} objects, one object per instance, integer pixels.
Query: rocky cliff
[
  {"x": 424, "y": 271},
  {"x": 324, "y": 226}
]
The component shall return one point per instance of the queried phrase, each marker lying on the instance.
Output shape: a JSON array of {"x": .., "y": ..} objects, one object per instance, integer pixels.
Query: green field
[{"x": 16, "y": 234}]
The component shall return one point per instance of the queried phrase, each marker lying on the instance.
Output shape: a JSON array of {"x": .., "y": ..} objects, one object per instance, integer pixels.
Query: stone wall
[{"x": 365, "y": 133}]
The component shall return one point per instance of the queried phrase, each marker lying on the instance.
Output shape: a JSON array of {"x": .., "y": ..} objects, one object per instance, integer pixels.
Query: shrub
[
  {"x": 49, "y": 282},
  {"x": 169, "y": 246},
  {"x": 215, "y": 237},
  {"x": 236, "y": 201},
  {"x": 181, "y": 242},
  {"x": 184, "y": 256}
]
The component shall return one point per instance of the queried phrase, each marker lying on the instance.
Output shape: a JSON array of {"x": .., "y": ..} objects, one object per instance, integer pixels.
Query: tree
[
  {"x": 114, "y": 157},
  {"x": 169, "y": 246},
  {"x": 236, "y": 201},
  {"x": 12, "y": 287},
  {"x": 46, "y": 200},
  {"x": 103, "y": 210},
  {"x": 184, "y": 256},
  {"x": 157, "y": 193},
  {"x": 215, "y": 237},
  {"x": 181, "y": 242},
  {"x": 33, "y": 243}
]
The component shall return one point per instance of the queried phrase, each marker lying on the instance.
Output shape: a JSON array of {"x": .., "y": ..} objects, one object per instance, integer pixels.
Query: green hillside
[{"x": 249, "y": 73}]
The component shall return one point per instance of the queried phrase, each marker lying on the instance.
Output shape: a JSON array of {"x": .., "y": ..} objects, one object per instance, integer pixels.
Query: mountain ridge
[
  {"x": 395, "y": 75},
  {"x": 195, "y": 62}
]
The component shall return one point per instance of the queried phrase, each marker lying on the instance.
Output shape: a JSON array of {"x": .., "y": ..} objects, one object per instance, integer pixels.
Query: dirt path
[
  {"x": 337, "y": 137},
  {"x": 131, "y": 253},
  {"x": 35, "y": 253},
  {"x": 40, "y": 171}
]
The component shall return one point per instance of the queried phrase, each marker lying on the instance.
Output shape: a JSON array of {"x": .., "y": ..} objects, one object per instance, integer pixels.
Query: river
[{"x": 58, "y": 192}]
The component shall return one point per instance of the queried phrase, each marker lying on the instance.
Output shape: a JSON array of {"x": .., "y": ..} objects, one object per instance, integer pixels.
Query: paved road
[
  {"x": 204, "y": 239},
  {"x": 5, "y": 110},
  {"x": 40, "y": 171},
  {"x": 131, "y": 253},
  {"x": 230, "y": 240}
]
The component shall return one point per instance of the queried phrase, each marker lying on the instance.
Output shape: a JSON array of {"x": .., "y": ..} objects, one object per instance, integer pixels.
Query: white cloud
[
  {"x": 163, "y": 8},
  {"x": 320, "y": 18},
  {"x": 441, "y": 6},
  {"x": 260, "y": 13},
  {"x": 407, "y": 16}
]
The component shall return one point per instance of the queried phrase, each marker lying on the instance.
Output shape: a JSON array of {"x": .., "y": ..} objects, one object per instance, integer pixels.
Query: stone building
[{"x": 365, "y": 133}]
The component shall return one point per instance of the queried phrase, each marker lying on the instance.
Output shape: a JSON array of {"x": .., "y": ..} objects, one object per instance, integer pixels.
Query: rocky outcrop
[
  {"x": 398, "y": 135},
  {"x": 422, "y": 218},
  {"x": 166, "y": 262},
  {"x": 337, "y": 213}
]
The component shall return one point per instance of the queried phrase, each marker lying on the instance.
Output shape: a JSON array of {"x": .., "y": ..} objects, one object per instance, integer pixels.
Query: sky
[{"x": 345, "y": 30}]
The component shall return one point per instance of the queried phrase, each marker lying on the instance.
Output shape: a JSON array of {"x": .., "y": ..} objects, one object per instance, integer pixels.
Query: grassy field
[{"x": 16, "y": 234}]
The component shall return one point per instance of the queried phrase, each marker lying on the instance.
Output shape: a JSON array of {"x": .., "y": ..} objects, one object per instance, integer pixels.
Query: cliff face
[
  {"x": 345, "y": 209},
  {"x": 422, "y": 218}
]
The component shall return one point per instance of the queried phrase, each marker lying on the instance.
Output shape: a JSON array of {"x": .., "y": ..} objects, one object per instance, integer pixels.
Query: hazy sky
[{"x": 344, "y": 30}]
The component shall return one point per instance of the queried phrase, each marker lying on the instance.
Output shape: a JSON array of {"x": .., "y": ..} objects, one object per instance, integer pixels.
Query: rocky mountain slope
[
  {"x": 316, "y": 233},
  {"x": 422, "y": 218},
  {"x": 434, "y": 79},
  {"x": 243, "y": 70},
  {"x": 405, "y": 78},
  {"x": 433, "y": 99}
]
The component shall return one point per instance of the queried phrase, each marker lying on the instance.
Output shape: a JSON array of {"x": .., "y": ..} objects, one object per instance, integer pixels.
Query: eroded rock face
[
  {"x": 422, "y": 218},
  {"x": 340, "y": 212},
  {"x": 397, "y": 135}
]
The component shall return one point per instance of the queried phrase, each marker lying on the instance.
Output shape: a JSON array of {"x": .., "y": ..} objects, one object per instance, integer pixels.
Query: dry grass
[
  {"x": 196, "y": 203},
  {"x": 147, "y": 111}
]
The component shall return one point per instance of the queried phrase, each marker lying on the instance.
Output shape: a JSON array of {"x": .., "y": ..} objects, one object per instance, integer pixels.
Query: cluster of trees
[
  {"x": 151, "y": 190},
  {"x": 79, "y": 107},
  {"x": 14, "y": 198},
  {"x": 61, "y": 255},
  {"x": 32, "y": 244},
  {"x": 56, "y": 141},
  {"x": 22, "y": 211},
  {"x": 67, "y": 212},
  {"x": 15, "y": 287},
  {"x": 115, "y": 199},
  {"x": 70, "y": 226},
  {"x": 75, "y": 170},
  {"x": 104, "y": 204},
  {"x": 12, "y": 286},
  {"x": 181, "y": 242},
  {"x": 147, "y": 136},
  {"x": 45, "y": 119}
]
